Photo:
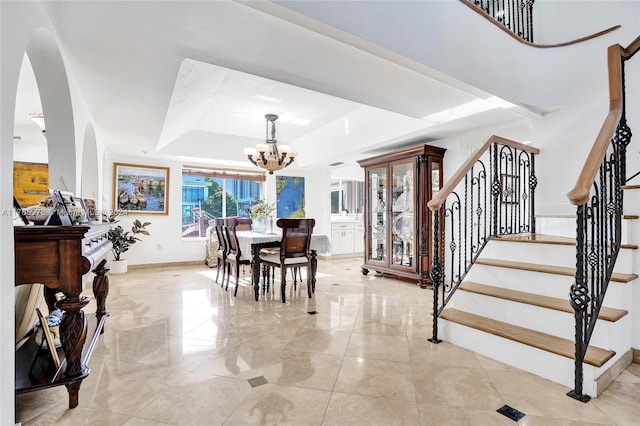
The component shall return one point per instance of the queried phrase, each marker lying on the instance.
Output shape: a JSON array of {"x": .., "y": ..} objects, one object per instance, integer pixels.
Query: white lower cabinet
[{"x": 347, "y": 238}]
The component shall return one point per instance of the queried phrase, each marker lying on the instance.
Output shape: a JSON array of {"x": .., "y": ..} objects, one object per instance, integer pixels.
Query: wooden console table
[{"x": 58, "y": 257}]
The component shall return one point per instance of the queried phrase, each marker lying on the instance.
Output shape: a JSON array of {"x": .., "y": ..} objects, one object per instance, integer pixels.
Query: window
[
  {"x": 347, "y": 196},
  {"x": 211, "y": 193}
]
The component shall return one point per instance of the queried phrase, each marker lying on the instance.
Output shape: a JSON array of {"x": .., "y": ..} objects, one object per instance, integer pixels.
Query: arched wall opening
[{"x": 55, "y": 95}]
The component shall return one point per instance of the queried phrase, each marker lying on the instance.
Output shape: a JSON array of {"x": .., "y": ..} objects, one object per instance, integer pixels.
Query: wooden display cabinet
[{"x": 398, "y": 224}]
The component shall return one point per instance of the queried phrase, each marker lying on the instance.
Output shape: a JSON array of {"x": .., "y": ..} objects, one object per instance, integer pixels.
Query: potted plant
[{"x": 122, "y": 240}]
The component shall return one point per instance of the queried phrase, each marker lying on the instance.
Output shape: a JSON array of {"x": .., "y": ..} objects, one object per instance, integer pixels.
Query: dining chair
[
  {"x": 222, "y": 249},
  {"x": 294, "y": 250},
  {"x": 235, "y": 258}
]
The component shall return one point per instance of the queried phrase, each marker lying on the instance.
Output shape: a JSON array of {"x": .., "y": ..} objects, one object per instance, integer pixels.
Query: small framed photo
[
  {"x": 509, "y": 189},
  {"x": 141, "y": 189},
  {"x": 90, "y": 208}
]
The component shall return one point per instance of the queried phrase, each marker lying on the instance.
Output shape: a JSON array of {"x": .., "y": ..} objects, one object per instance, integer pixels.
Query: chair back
[
  {"x": 296, "y": 237},
  {"x": 230, "y": 233},
  {"x": 218, "y": 226}
]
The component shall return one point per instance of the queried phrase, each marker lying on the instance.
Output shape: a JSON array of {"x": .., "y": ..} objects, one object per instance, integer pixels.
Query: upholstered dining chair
[
  {"x": 234, "y": 256},
  {"x": 222, "y": 248},
  {"x": 294, "y": 250}
]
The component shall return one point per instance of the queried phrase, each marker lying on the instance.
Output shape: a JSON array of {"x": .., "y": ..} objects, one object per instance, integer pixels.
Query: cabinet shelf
[{"x": 35, "y": 369}]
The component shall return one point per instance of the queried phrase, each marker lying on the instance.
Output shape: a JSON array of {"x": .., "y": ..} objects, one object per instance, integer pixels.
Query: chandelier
[{"x": 269, "y": 155}]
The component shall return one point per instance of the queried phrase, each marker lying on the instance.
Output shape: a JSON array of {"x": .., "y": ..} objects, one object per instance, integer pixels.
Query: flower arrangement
[{"x": 262, "y": 209}]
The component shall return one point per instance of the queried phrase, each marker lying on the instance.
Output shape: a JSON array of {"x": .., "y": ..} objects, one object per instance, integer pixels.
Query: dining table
[{"x": 252, "y": 242}]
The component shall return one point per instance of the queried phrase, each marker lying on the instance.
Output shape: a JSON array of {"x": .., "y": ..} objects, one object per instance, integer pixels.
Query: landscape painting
[
  {"x": 141, "y": 189},
  {"x": 290, "y": 196}
]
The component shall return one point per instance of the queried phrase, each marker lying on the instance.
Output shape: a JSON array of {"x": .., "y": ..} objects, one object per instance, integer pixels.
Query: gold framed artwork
[
  {"x": 141, "y": 189},
  {"x": 30, "y": 182}
]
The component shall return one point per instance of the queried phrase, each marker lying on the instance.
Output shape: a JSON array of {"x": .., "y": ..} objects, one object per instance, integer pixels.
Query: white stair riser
[
  {"x": 556, "y": 323},
  {"x": 552, "y": 285},
  {"x": 631, "y": 204},
  {"x": 550, "y": 254},
  {"x": 544, "y": 364},
  {"x": 566, "y": 227}
]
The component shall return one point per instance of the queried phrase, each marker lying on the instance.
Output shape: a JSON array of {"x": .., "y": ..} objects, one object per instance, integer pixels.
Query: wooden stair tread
[
  {"x": 549, "y": 269},
  {"x": 623, "y": 187},
  {"x": 536, "y": 238},
  {"x": 548, "y": 239},
  {"x": 607, "y": 314},
  {"x": 595, "y": 356}
]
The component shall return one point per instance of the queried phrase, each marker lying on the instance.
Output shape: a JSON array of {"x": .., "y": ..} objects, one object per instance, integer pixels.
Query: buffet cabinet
[{"x": 398, "y": 223}]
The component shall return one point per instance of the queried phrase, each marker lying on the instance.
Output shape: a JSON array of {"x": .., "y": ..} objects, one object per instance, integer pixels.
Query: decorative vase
[
  {"x": 260, "y": 224},
  {"x": 118, "y": 266}
]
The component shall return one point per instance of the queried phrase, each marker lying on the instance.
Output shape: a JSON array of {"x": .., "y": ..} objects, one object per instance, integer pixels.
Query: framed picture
[
  {"x": 290, "y": 193},
  {"x": 141, "y": 189},
  {"x": 30, "y": 182},
  {"x": 509, "y": 189},
  {"x": 90, "y": 208}
]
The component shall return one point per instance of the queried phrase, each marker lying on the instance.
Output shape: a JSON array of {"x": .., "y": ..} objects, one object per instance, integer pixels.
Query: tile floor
[{"x": 180, "y": 350}]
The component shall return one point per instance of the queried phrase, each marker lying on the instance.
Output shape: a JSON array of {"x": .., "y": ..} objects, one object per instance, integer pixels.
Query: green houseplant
[{"x": 122, "y": 240}]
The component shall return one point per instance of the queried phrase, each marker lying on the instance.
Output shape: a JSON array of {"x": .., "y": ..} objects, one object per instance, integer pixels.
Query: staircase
[{"x": 513, "y": 307}]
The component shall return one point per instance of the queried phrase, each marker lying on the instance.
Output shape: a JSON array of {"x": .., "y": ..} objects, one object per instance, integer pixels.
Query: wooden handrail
[
  {"x": 580, "y": 192},
  {"x": 632, "y": 49},
  {"x": 437, "y": 201},
  {"x": 536, "y": 45}
]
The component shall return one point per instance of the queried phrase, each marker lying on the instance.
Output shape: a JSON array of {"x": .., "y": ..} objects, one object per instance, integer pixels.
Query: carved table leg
[
  {"x": 101, "y": 290},
  {"x": 312, "y": 272},
  {"x": 73, "y": 332}
]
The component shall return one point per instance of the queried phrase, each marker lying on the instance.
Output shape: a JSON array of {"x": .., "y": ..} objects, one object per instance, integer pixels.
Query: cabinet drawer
[
  {"x": 341, "y": 226},
  {"x": 359, "y": 226}
]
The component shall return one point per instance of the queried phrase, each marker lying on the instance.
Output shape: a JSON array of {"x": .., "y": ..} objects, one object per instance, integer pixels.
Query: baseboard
[
  {"x": 614, "y": 371},
  {"x": 168, "y": 264}
]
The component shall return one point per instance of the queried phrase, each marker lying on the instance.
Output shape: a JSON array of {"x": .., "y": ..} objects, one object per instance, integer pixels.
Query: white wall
[{"x": 564, "y": 138}]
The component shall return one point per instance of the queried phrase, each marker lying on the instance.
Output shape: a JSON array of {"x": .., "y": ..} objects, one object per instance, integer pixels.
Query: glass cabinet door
[
  {"x": 403, "y": 214},
  {"x": 377, "y": 244}
]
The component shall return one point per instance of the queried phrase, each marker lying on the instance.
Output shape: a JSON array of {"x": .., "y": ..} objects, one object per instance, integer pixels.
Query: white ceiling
[{"x": 192, "y": 81}]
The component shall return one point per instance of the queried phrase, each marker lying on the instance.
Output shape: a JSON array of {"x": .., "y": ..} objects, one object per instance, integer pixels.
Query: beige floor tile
[
  {"x": 374, "y": 377},
  {"x": 280, "y": 405},
  {"x": 357, "y": 410},
  {"x": 241, "y": 360},
  {"x": 209, "y": 402},
  {"x": 305, "y": 369},
  {"x": 318, "y": 340},
  {"x": 492, "y": 364},
  {"x": 377, "y": 346},
  {"x": 540, "y": 397},
  {"x": 136, "y": 421},
  {"x": 445, "y": 415},
  {"x": 444, "y": 353},
  {"x": 332, "y": 322},
  {"x": 374, "y": 321},
  {"x": 620, "y": 403},
  {"x": 456, "y": 386},
  {"x": 61, "y": 415}
]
